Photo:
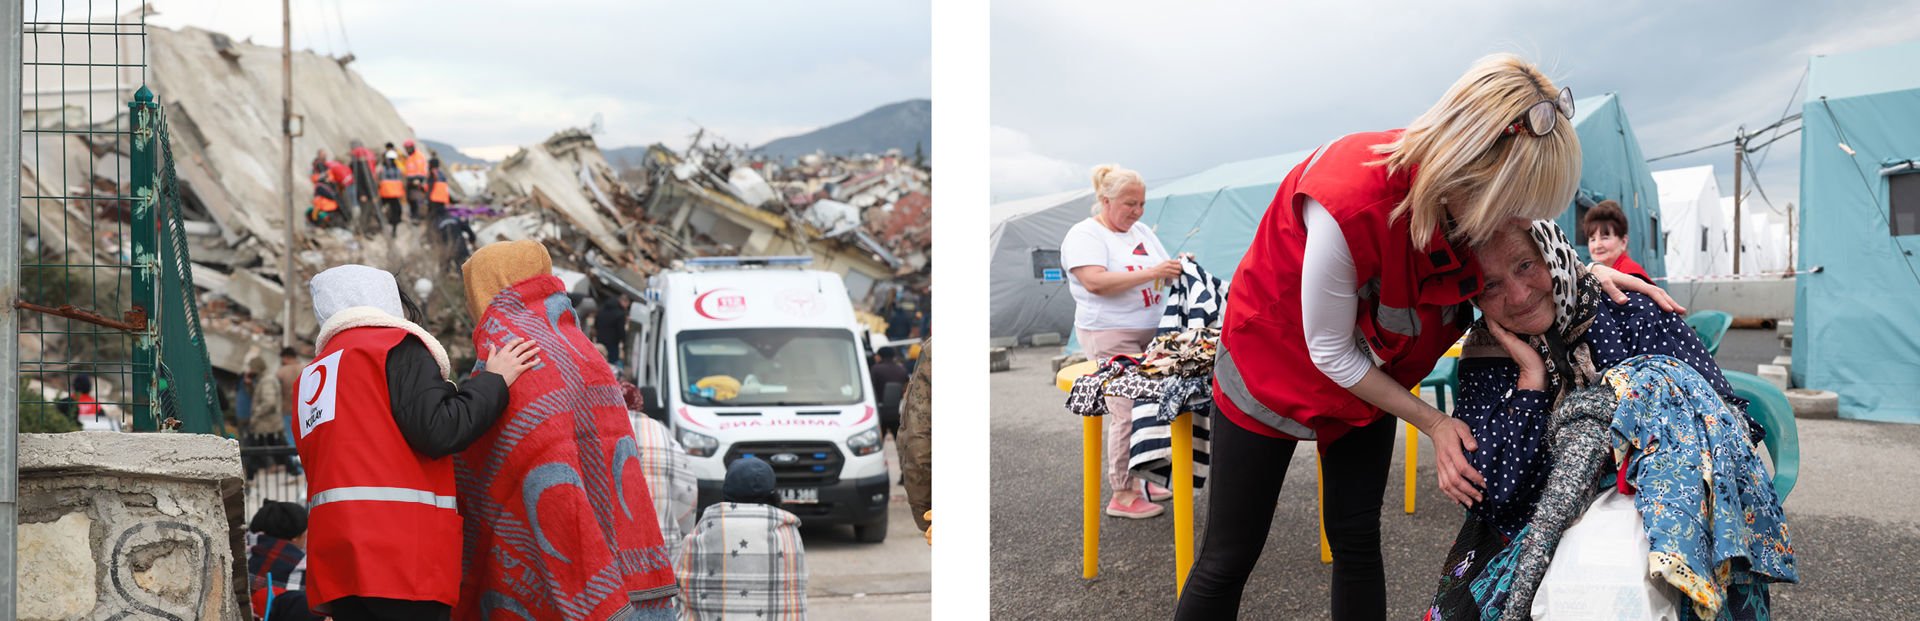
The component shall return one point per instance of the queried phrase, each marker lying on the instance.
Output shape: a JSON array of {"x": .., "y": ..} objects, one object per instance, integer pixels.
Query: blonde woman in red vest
[
  {"x": 1357, "y": 281},
  {"x": 377, "y": 421}
]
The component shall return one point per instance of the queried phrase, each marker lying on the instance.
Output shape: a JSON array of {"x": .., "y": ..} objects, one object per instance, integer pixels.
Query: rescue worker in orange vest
[
  {"x": 415, "y": 166},
  {"x": 392, "y": 187},
  {"x": 326, "y": 205},
  {"x": 438, "y": 193},
  {"x": 377, "y": 422}
]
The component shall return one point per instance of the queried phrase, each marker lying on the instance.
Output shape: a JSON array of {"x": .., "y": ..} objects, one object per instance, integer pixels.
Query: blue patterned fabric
[
  {"x": 1510, "y": 424},
  {"x": 1707, "y": 500}
]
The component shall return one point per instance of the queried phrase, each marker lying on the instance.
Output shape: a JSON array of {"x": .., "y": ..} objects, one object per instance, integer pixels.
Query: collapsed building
[{"x": 867, "y": 218}]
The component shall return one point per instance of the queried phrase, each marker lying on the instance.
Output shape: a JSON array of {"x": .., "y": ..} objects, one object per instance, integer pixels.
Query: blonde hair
[
  {"x": 1109, "y": 179},
  {"x": 1464, "y": 159}
]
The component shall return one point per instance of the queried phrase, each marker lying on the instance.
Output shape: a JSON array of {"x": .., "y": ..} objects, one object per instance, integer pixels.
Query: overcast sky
[
  {"x": 1172, "y": 89},
  {"x": 486, "y": 75}
]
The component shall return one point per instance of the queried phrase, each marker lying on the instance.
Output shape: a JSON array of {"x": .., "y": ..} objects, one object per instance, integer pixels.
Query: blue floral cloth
[{"x": 1710, "y": 510}]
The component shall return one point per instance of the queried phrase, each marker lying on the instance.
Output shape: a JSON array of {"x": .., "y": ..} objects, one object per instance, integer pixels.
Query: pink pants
[{"x": 1101, "y": 345}]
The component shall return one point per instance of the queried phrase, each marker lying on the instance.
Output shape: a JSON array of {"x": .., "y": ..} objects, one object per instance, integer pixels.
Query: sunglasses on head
[{"x": 1539, "y": 118}]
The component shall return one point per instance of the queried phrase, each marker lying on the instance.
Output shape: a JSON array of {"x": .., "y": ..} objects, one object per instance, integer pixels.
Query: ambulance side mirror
[{"x": 650, "y": 404}]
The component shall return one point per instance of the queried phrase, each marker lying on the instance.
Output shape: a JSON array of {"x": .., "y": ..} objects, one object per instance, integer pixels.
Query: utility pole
[
  {"x": 286, "y": 172},
  {"x": 1739, "y": 153}
]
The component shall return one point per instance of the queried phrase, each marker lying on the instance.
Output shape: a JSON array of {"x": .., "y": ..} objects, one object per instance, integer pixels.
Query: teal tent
[
  {"x": 1213, "y": 213},
  {"x": 1612, "y": 167},
  {"x": 1855, "y": 330}
]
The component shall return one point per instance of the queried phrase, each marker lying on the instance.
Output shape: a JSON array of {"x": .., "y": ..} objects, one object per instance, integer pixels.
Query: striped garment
[
  {"x": 1150, "y": 448},
  {"x": 743, "y": 561},
  {"x": 1197, "y": 300}
]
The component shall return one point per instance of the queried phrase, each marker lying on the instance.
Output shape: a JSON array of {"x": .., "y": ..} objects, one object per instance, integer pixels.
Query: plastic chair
[
  {"x": 1445, "y": 377},
  {"x": 1711, "y": 325},
  {"x": 1767, "y": 404}
]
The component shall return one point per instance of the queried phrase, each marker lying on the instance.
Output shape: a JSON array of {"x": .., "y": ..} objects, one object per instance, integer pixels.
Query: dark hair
[
  {"x": 289, "y": 352},
  {"x": 889, "y": 353},
  {"x": 280, "y": 520},
  {"x": 82, "y": 384},
  {"x": 410, "y": 308},
  {"x": 1605, "y": 217}
]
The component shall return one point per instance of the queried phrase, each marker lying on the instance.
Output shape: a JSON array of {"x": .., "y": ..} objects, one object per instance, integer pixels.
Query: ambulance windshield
[{"x": 770, "y": 366}]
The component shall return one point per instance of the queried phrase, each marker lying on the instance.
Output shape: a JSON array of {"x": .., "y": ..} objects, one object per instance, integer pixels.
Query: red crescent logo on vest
[
  {"x": 321, "y": 387},
  {"x": 1141, "y": 249},
  {"x": 721, "y": 305}
]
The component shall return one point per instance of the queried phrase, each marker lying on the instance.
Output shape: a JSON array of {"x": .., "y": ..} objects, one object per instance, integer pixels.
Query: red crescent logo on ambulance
[
  {"x": 321, "y": 387},
  {"x": 721, "y": 305}
]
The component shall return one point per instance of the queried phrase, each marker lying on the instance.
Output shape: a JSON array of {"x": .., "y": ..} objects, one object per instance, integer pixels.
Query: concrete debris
[{"x": 866, "y": 217}]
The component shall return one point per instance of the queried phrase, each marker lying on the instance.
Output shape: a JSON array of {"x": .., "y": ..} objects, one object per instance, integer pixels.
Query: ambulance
[{"x": 761, "y": 357}]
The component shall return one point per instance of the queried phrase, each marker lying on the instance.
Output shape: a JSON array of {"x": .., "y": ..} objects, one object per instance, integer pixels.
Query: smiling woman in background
[{"x": 1118, "y": 271}]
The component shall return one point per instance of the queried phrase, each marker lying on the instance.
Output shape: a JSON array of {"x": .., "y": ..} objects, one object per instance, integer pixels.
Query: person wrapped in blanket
[{"x": 1563, "y": 388}]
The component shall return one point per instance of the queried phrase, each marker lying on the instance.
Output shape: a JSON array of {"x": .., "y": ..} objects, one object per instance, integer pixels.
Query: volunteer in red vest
[
  {"x": 438, "y": 194},
  {"x": 560, "y": 522},
  {"x": 1356, "y": 282},
  {"x": 376, "y": 419},
  {"x": 393, "y": 187},
  {"x": 1117, "y": 272},
  {"x": 1606, "y": 231},
  {"x": 415, "y": 167}
]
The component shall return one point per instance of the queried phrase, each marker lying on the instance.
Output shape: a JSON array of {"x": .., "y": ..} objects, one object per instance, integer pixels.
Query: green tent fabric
[
  {"x": 1213, "y": 213},
  {"x": 1612, "y": 167},
  {"x": 1854, "y": 330}
]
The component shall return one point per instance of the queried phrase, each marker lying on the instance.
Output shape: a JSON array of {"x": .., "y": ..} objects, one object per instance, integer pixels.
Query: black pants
[
  {"x": 392, "y": 206},
  {"x": 1247, "y": 472},
  {"x": 376, "y": 609}
]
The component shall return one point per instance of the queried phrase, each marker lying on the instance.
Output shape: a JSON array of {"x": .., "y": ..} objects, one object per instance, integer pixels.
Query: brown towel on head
[{"x": 498, "y": 266}]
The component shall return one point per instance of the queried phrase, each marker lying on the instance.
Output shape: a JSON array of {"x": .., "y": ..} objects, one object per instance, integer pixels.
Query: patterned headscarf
[{"x": 1576, "y": 299}]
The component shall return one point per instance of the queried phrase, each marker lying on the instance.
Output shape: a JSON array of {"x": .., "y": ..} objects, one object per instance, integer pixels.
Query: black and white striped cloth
[
  {"x": 1150, "y": 450},
  {"x": 1197, "y": 300}
]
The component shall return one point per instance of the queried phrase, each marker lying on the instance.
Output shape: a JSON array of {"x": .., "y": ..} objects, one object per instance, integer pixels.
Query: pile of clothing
[{"x": 1172, "y": 377}]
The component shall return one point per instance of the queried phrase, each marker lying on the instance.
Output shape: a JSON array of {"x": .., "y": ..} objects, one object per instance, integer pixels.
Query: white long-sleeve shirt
[{"x": 1330, "y": 299}]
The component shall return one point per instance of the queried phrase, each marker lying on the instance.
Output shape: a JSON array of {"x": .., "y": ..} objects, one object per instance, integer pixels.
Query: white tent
[
  {"x": 1763, "y": 236},
  {"x": 1697, "y": 234}
]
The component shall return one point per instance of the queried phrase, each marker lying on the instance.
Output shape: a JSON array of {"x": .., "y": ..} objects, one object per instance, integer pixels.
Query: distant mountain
[
  {"x": 900, "y": 126},
  {"x": 448, "y": 154}
]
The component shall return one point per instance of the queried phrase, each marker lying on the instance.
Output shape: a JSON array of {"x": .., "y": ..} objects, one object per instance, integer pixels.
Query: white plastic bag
[{"x": 1599, "y": 571}]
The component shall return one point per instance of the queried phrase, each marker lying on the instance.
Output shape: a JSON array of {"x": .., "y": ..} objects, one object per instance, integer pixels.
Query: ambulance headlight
[
  {"x": 698, "y": 444},
  {"x": 865, "y": 443}
]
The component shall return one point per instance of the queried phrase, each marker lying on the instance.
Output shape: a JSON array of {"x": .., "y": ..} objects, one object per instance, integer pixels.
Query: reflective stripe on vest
[
  {"x": 1234, "y": 389},
  {"x": 380, "y": 494}
]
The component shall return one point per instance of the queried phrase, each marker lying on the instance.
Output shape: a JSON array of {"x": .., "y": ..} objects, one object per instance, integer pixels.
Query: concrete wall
[
  {"x": 115, "y": 523},
  {"x": 1765, "y": 298}
]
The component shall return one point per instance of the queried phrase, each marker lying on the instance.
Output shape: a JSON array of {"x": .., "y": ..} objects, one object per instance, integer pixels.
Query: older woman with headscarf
[
  {"x": 1557, "y": 382},
  {"x": 560, "y": 523},
  {"x": 375, "y": 419}
]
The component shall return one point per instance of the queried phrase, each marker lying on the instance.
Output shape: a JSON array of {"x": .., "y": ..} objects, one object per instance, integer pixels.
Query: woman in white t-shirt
[{"x": 1118, "y": 273}]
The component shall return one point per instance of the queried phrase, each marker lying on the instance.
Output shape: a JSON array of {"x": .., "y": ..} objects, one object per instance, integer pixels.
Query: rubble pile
[{"x": 866, "y": 217}]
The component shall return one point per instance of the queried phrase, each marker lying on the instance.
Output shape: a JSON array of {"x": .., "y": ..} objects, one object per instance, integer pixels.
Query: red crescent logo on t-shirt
[{"x": 320, "y": 387}]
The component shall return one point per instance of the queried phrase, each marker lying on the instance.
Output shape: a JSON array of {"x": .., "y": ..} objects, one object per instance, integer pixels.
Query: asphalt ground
[
  {"x": 852, "y": 581},
  {"x": 1854, "y": 519}
]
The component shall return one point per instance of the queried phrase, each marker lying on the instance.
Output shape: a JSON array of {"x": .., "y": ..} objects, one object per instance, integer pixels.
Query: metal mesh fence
[{"x": 107, "y": 322}]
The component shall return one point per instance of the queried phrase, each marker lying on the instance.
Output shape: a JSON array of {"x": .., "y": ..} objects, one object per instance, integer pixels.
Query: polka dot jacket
[{"x": 1510, "y": 424}]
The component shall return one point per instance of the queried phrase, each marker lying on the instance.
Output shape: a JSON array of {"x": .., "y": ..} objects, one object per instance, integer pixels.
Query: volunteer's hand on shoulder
[{"x": 509, "y": 363}]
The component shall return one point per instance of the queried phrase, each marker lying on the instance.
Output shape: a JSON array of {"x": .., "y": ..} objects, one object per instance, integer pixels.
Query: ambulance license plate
[{"x": 800, "y": 495}]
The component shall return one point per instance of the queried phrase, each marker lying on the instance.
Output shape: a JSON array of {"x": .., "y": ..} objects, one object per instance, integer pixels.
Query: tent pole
[{"x": 1739, "y": 152}]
